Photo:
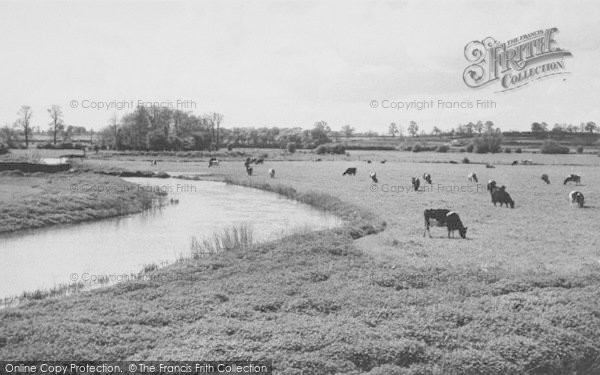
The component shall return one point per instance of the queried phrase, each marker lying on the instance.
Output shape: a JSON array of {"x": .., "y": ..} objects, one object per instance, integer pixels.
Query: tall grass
[{"x": 234, "y": 238}]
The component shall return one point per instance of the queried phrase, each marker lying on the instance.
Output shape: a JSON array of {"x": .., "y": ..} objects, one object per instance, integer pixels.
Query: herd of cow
[{"x": 451, "y": 220}]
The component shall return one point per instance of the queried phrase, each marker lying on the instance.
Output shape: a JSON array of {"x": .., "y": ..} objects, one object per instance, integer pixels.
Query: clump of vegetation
[
  {"x": 338, "y": 148},
  {"x": 518, "y": 150},
  {"x": 462, "y": 150},
  {"x": 230, "y": 147},
  {"x": 553, "y": 147},
  {"x": 580, "y": 149},
  {"x": 489, "y": 142},
  {"x": 236, "y": 238},
  {"x": 291, "y": 147},
  {"x": 420, "y": 148},
  {"x": 466, "y": 160},
  {"x": 442, "y": 148},
  {"x": 3, "y": 149},
  {"x": 507, "y": 150},
  {"x": 470, "y": 148}
]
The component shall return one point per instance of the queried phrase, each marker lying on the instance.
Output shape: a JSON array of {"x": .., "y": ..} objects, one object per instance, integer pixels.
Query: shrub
[
  {"x": 580, "y": 149},
  {"x": 3, "y": 149},
  {"x": 465, "y": 160},
  {"x": 470, "y": 148},
  {"x": 462, "y": 150},
  {"x": 291, "y": 147},
  {"x": 419, "y": 147},
  {"x": 442, "y": 148},
  {"x": 230, "y": 147},
  {"x": 489, "y": 142},
  {"x": 507, "y": 150},
  {"x": 331, "y": 149},
  {"x": 518, "y": 150},
  {"x": 552, "y": 147}
]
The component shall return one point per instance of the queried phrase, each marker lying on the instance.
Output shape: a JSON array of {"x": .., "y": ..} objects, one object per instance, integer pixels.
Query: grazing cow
[
  {"x": 373, "y": 176},
  {"x": 368, "y": 161},
  {"x": 444, "y": 218},
  {"x": 272, "y": 173},
  {"x": 249, "y": 170},
  {"x": 213, "y": 162},
  {"x": 499, "y": 195},
  {"x": 383, "y": 161},
  {"x": 576, "y": 197},
  {"x": 260, "y": 161},
  {"x": 515, "y": 162},
  {"x": 472, "y": 177},
  {"x": 491, "y": 185},
  {"x": 545, "y": 178},
  {"x": 427, "y": 177},
  {"x": 574, "y": 178},
  {"x": 174, "y": 201},
  {"x": 489, "y": 166},
  {"x": 350, "y": 171},
  {"x": 416, "y": 183},
  {"x": 253, "y": 160},
  {"x": 152, "y": 162},
  {"x": 317, "y": 160}
]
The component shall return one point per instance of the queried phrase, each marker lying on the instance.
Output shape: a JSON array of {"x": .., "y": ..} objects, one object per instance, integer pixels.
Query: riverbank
[{"x": 36, "y": 200}]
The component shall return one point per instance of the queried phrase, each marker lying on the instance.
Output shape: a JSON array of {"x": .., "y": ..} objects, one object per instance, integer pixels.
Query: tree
[
  {"x": 591, "y": 127},
  {"x": 436, "y": 131},
  {"x": 469, "y": 128},
  {"x": 56, "y": 115},
  {"x": 479, "y": 127},
  {"x": 319, "y": 132},
  {"x": 24, "y": 119},
  {"x": 489, "y": 126},
  {"x": 215, "y": 121},
  {"x": 114, "y": 127},
  {"x": 393, "y": 129},
  {"x": 347, "y": 130},
  {"x": 537, "y": 127},
  {"x": 413, "y": 129}
]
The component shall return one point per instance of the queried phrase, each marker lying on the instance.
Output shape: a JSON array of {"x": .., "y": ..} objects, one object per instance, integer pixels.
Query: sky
[{"x": 288, "y": 63}]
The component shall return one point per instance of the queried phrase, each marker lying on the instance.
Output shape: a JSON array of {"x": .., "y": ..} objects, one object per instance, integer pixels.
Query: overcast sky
[{"x": 288, "y": 63}]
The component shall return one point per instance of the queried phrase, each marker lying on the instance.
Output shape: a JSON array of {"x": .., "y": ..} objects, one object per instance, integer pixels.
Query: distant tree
[
  {"x": 591, "y": 127},
  {"x": 56, "y": 115},
  {"x": 469, "y": 128},
  {"x": 413, "y": 129},
  {"x": 489, "y": 126},
  {"x": 347, "y": 130},
  {"x": 436, "y": 131},
  {"x": 479, "y": 127},
  {"x": 215, "y": 119},
  {"x": 393, "y": 129},
  {"x": 24, "y": 121},
  {"x": 537, "y": 127},
  {"x": 320, "y": 131}
]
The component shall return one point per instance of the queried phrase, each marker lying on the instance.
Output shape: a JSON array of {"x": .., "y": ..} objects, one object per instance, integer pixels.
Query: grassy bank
[{"x": 37, "y": 200}]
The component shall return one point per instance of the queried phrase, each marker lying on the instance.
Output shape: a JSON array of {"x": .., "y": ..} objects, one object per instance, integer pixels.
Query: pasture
[{"x": 519, "y": 295}]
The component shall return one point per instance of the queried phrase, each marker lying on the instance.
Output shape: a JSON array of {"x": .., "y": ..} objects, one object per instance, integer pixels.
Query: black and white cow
[
  {"x": 545, "y": 178},
  {"x": 350, "y": 171},
  {"x": 472, "y": 177},
  {"x": 491, "y": 185},
  {"x": 573, "y": 178},
  {"x": 272, "y": 173},
  {"x": 249, "y": 170},
  {"x": 444, "y": 218},
  {"x": 576, "y": 197},
  {"x": 213, "y": 162},
  {"x": 499, "y": 195},
  {"x": 373, "y": 176},
  {"x": 427, "y": 177},
  {"x": 416, "y": 183}
]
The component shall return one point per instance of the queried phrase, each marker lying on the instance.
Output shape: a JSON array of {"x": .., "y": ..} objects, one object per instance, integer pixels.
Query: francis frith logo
[{"x": 514, "y": 63}]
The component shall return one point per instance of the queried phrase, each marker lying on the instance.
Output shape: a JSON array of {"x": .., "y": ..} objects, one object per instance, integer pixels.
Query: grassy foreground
[{"x": 37, "y": 200}]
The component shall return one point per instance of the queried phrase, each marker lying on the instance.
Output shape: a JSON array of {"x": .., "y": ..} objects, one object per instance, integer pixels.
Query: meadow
[{"x": 519, "y": 296}]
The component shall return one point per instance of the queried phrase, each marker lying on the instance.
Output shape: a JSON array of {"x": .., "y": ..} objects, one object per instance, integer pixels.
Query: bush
[
  {"x": 580, "y": 149},
  {"x": 489, "y": 142},
  {"x": 518, "y": 150},
  {"x": 291, "y": 147},
  {"x": 230, "y": 147},
  {"x": 552, "y": 147},
  {"x": 465, "y": 160},
  {"x": 3, "y": 149},
  {"x": 470, "y": 148},
  {"x": 462, "y": 150},
  {"x": 442, "y": 148},
  {"x": 331, "y": 149},
  {"x": 419, "y": 147}
]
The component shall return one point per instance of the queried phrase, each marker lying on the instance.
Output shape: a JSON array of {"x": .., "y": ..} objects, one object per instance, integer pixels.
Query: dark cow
[
  {"x": 350, "y": 171},
  {"x": 491, "y": 185},
  {"x": 499, "y": 195},
  {"x": 488, "y": 165},
  {"x": 272, "y": 173},
  {"x": 373, "y": 176},
  {"x": 576, "y": 197},
  {"x": 249, "y": 170},
  {"x": 368, "y": 161},
  {"x": 247, "y": 162},
  {"x": 515, "y": 162},
  {"x": 545, "y": 178},
  {"x": 573, "y": 178},
  {"x": 260, "y": 161},
  {"x": 416, "y": 183},
  {"x": 383, "y": 161},
  {"x": 444, "y": 218},
  {"x": 427, "y": 177},
  {"x": 213, "y": 162}
]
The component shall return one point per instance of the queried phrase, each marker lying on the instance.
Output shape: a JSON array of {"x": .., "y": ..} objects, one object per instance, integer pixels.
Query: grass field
[{"x": 519, "y": 296}]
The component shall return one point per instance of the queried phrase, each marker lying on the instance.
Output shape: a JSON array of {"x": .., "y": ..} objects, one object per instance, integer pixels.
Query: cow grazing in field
[
  {"x": 516, "y": 162},
  {"x": 576, "y": 197},
  {"x": 472, "y": 177},
  {"x": 383, "y": 161},
  {"x": 174, "y": 201},
  {"x": 491, "y": 185},
  {"x": 317, "y": 160},
  {"x": 213, "y": 162},
  {"x": 373, "y": 176},
  {"x": 416, "y": 183},
  {"x": 350, "y": 171},
  {"x": 489, "y": 166},
  {"x": 427, "y": 177},
  {"x": 368, "y": 161},
  {"x": 444, "y": 218},
  {"x": 272, "y": 173},
  {"x": 573, "y": 178},
  {"x": 499, "y": 195},
  {"x": 545, "y": 178},
  {"x": 259, "y": 161},
  {"x": 249, "y": 170}
]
